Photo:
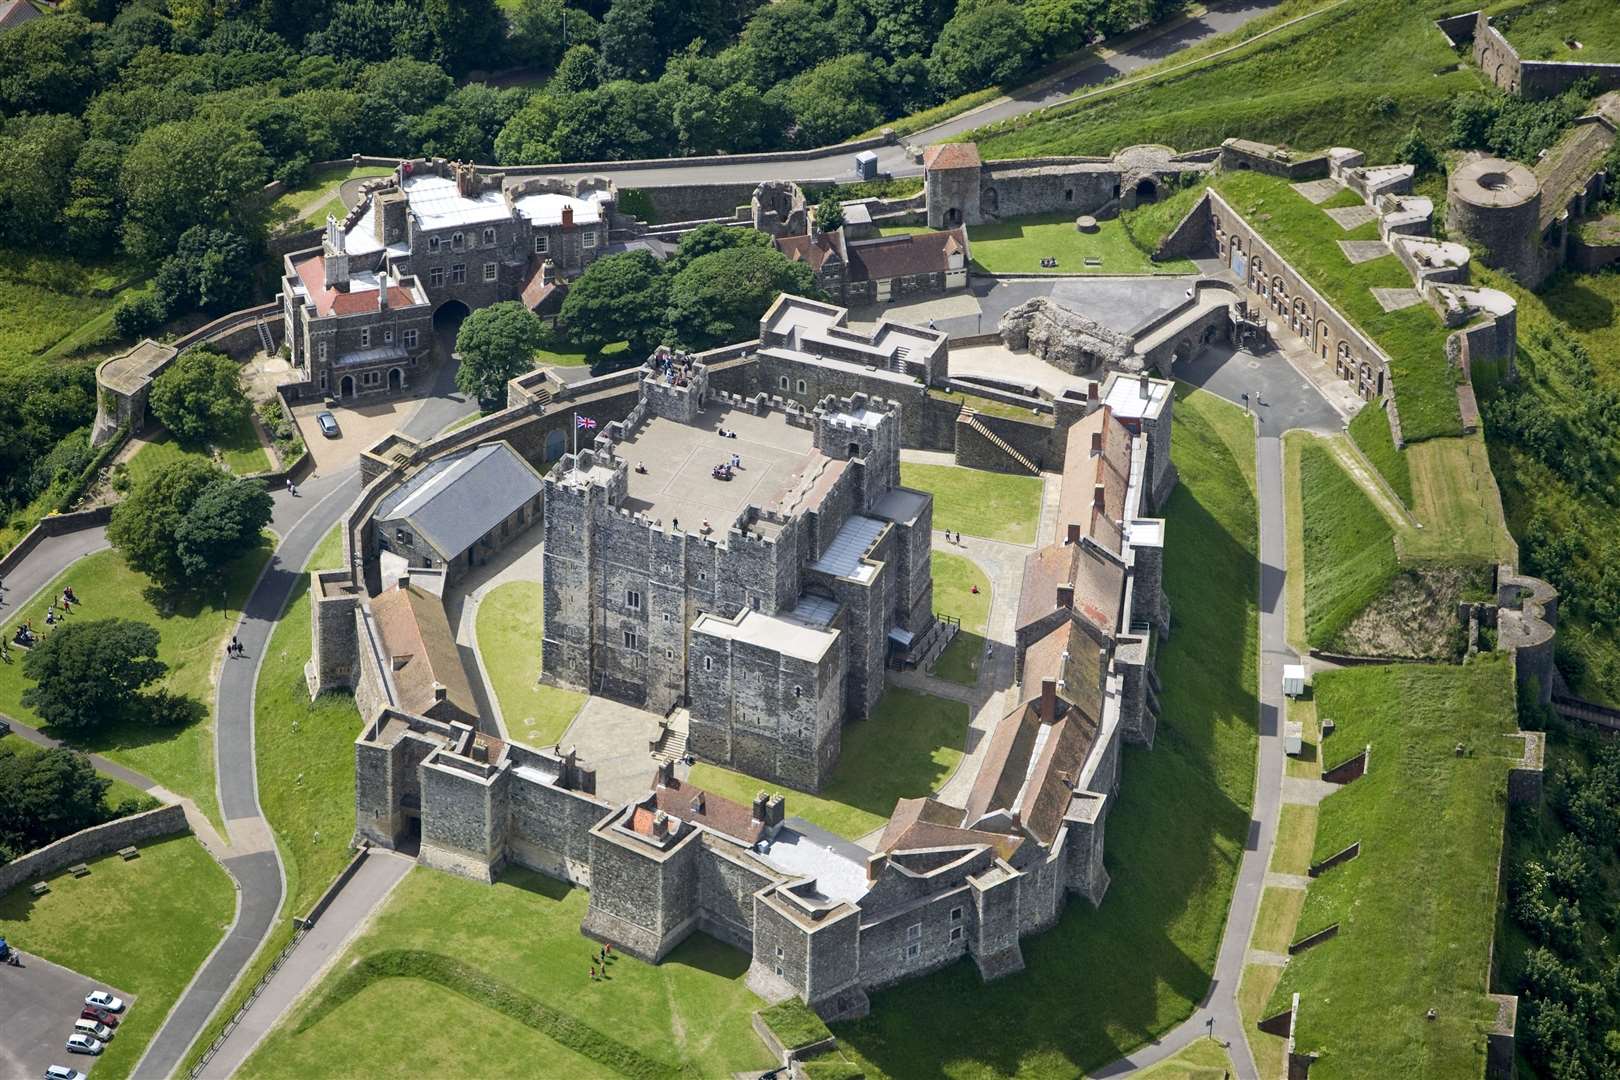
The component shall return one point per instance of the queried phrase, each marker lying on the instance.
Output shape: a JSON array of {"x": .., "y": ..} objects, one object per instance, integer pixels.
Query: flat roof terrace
[{"x": 680, "y": 458}]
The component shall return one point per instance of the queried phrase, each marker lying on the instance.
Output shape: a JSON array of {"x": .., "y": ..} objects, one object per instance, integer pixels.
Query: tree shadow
[{"x": 1573, "y": 301}]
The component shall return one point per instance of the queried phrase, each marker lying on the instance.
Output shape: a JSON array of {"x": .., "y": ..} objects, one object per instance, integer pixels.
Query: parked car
[
  {"x": 102, "y": 999},
  {"x": 84, "y": 1044},
  {"x": 100, "y": 1016},
  {"x": 93, "y": 1029},
  {"x": 62, "y": 1072},
  {"x": 328, "y": 424}
]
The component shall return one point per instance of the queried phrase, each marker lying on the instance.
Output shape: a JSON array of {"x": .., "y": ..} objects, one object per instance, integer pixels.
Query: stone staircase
[
  {"x": 541, "y": 399},
  {"x": 671, "y": 745},
  {"x": 265, "y": 338},
  {"x": 971, "y": 419},
  {"x": 940, "y": 635}
]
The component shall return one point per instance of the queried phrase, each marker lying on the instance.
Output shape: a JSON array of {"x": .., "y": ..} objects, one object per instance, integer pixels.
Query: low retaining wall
[
  {"x": 1312, "y": 940},
  {"x": 1587, "y": 712},
  {"x": 54, "y": 525},
  {"x": 1342, "y": 856},
  {"x": 1346, "y": 771},
  {"x": 91, "y": 843},
  {"x": 225, "y": 331},
  {"x": 336, "y": 887}
]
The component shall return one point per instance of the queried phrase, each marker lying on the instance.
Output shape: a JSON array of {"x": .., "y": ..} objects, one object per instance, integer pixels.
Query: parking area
[
  {"x": 41, "y": 1001},
  {"x": 359, "y": 426}
]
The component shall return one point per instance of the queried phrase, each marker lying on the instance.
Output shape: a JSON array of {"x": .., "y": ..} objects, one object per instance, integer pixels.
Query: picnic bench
[
  {"x": 130, "y": 852},
  {"x": 79, "y": 870}
]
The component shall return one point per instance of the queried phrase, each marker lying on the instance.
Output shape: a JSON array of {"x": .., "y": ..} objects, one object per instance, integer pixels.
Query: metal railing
[{"x": 235, "y": 1020}]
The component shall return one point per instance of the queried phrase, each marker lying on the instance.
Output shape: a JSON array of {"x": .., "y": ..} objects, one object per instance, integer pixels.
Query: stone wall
[
  {"x": 690, "y": 202},
  {"x": 92, "y": 843},
  {"x": 1502, "y": 64},
  {"x": 49, "y": 526},
  {"x": 551, "y": 826}
]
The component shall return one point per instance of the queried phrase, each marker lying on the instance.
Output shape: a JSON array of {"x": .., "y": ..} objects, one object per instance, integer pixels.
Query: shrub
[{"x": 138, "y": 315}]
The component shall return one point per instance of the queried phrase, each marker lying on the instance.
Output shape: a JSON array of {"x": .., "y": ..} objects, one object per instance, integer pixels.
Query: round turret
[{"x": 1496, "y": 204}]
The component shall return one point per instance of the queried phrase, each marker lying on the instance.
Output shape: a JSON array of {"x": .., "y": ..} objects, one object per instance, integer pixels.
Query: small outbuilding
[
  {"x": 1293, "y": 737},
  {"x": 1293, "y": 680}
]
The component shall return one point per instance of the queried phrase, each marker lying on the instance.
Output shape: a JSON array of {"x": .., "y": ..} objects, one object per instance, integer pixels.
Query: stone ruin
[{"x": 1067, "y": 340}]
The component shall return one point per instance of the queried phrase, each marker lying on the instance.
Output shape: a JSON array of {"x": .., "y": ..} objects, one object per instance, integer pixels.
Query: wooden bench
[
  {"x": 128, "y": 853},
  {"x": 1093, "y": 261},
  {"x": 39, "y": 888},
  {"x": 79, "y": 870}
]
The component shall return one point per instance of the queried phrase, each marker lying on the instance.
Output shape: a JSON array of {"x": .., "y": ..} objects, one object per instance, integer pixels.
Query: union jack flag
[{"x": 584, "y": 423}]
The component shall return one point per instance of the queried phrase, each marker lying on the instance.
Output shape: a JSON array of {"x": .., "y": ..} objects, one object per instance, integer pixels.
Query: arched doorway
[
  {"x": 1146, "y": 190},
  {"x": 953, "y": 218},
  {"x": 990, "y": 201},
  {"x": 396, "y": 380},
  {"x": 346, "y": 386},
  {"x": 447, "y": 320},
  {"x": 1240, "y": 262}
]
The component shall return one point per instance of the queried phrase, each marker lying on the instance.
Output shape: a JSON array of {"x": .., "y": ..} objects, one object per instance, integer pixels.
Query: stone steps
[{"x": 972, "y": 420}]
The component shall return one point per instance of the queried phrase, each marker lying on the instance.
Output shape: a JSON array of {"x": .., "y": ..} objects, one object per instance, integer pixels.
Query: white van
[{"x": 93, "y": 1029}]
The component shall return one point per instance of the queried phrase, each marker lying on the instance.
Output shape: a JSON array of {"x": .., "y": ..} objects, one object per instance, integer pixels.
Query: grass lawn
[
  {"x": 143, "y": 926},
  {"x": 520, "y": 1002},
  {"x": 1018, "y": 245},
  {"x": 1551, "y": 31},
  {"x": 1106, "y": 980},
  {"x": 1361, "y": 75},
  {"x": 190, "y": 631},
  {"x": 240, "y": 452},
  {"x": 954, "y": 579},
  {"x": 54, "y": 305},
  {"x": 909, "y": 746},
  {"x": 567, "y": 354},
  {"x": 509, "y": 629},
  {"x": 1414, "y": 337},
  {"x": 307, "y": 205},
  {"x": 1205, "y": 1059},
  {"x": 1296, "y": 837},
  {"x": 1308, "y": 762},
  {"x": 1458, "y": 503},
  {"x": 1279, "y": 911},
  {"x": 997, "y": 506},
  {"x": 1254, "y": 990},
  {"x": 794, "y": 1023},
  {"x": 992, "y": 407},
  {"x": 1417, "y": 908},
  {"x": 1349, "y": 544},
  {"x": 1370, "y": 431}
]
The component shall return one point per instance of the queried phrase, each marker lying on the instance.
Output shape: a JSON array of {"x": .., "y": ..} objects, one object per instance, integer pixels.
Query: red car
[{"x": 100, "y": 1016}]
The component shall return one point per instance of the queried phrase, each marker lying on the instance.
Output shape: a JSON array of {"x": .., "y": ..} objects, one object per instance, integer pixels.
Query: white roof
[
  {"x": 1125, "y": 398},
  {"x": 546, "y": 208},
  {"x": 439, "y": 204},
  {"x": 837, "y": 875},
  {"x": 843, "y": 556},
  {"x": 786, "y": 636}
]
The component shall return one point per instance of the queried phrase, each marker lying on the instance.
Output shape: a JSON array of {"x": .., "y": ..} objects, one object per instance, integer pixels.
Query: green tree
[
  {"x": 39, "y": 152},
  {"x": 224, "y": 521},
  {"x": 90, "y": 673},
  {"x": 1061, "y": 26},
  {"x": 987, "y": 45},
  {"x": 632, "y": 47},
  {"x": 46, "y": 796},
  {"x": 580, "y": 69},
  {"x": 718, "y": 298},
  {"x": 530, "y": 137},
  {"x": 48, "y": 66},
  {"x": 496, "y": 344},
  {"x": 146, "y": 525},
  {"x": 830, "y": 214},
  {"x": 836, "y": 99},
  {"x": 788, "y": 37},
  {"x": 199, "y": 396},
  {"x": 94, "y": 208},
  {"x": 1417, "y": 151},
  {"x": 710, "y": 238},
  {"x": 211, "y": 269},
  {"x": 192, "y": 172},
  {"x": 536, "y": 37},
  {"x": 618, "y": 298}
]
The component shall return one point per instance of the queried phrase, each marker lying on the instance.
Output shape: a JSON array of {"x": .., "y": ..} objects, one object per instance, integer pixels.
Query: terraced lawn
[
  {"x": 239, "y": 451},
  {"x": 909, "y": 747},
  {"x": 1349, "y": 545},
  {"x": 516, "y": 1002},
  {"x": 1018, "y": 245},
  {"x": 144, "y": 926},
  {"x": 996, "y": 506}
]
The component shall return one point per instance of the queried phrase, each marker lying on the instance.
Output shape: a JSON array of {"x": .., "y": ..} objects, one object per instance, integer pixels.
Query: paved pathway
[{"x": 341, "y": 923}]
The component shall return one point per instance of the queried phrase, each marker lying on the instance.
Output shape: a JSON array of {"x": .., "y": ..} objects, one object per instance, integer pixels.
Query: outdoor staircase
[
  {"x": 971, "y": 419},
  {"x": 672, "y": 744},
  {"x": 542, "y": 398},
  {"x": 265, "y": 338},
  {"x": 939, "y": 636}
]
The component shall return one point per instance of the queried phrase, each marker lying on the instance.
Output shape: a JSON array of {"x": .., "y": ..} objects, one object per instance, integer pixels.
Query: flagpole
[{"x": 576, "y": 436}]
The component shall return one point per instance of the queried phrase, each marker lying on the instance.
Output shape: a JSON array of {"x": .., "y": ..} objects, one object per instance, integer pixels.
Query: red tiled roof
[
  {"x": 905, "y": 256},
  {"x": 929, "y": 823},
  {"x": 813, "y": 250},
  {"x": 716, "y": 812},
  {"x": 418, "y": 644},
  {"x": 1050, "y": 772},
  {"x": 312, "y": 272},
  {"x": 1099, "y": 584},
  {"x": 952, "y": 156},
  {"x": 1083, "y": 472}
]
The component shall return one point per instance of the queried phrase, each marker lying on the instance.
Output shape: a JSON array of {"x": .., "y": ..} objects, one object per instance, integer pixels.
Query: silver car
[{"x": 84, "y": 1044}]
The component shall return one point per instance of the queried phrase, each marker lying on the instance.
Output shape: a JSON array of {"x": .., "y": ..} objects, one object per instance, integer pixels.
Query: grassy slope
[
  {"x": 1370, "y": 431},
  {"x": 954, "y": 579},
  {"x": 1017, "y": 246},
  {"x": 1585, "y": 307},
  {"x": 509, "y": 627},
  {"x": 239, "y": 450},
  {"x": 1417, "y": 908},
  {"x": 1541, "y": 30},
  {"x": 1414, "y": 337},
  {"x": 1322, "y": 83},
  {"x": 50, "y": 302},
  {"x": 189, "y": 642},
  {"x": 307, "y": 205},
  {"x": 1103, "y": 981},
  {"x": 690, "y": 1011},
  {"x": 909, "y": 746},
  {"x": 142, "y": 926},
  {"x": 1349, "y": 545},
  {"x": 997, "y": 506}
]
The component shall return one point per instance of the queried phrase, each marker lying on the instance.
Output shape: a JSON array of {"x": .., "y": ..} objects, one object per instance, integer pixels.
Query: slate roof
[
  {"x": 952, "y": 156},
  {"x": 1083, "y": 473},
  {"x": 907, "y": 255},
  {"x": 13, "y": 13},
  {"x": 417, "y": 642},
  {"x": 454, "y": 501}
]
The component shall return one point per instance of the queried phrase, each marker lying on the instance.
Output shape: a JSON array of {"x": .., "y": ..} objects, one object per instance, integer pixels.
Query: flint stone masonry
[
  {"x": 1066, "y": 339},
  {"x": 92, "y": 843}
]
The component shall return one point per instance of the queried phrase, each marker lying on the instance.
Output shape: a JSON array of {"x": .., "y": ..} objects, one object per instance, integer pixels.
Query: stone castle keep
[{"x": 765, "y": 608}]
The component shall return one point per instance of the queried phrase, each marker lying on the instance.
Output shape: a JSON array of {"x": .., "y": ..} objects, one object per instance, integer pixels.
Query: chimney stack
[
  {"x": 1099, "y": 496},
  {"x": 762, "y": 800},
  {"x": 1146, "y": 388},
  {"x": 1065, "y": 596},
  {"x": 1091, "y": 392},
  {"x": 775, "y": 811},
  {"x": 660, "y": 824},
  {"x": 1048, "y": 700},
  {"x": 568, "y": 215},
  {"x": 874, "y": 867},
  {"x": 1096, "y": 442},
  {"x": 666, "y": 773},
  {"x": 439, "y": 691},
  {"x": 1074, "y": 532}
]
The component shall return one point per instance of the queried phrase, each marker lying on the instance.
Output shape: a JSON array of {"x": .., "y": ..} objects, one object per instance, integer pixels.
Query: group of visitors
[{"x": 600, "y": 959}]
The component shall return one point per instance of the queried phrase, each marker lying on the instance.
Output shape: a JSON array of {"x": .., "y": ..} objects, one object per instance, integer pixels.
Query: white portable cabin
[
  {"x": 1293, "y": 679},
  {"x": 866, "y": 163}
]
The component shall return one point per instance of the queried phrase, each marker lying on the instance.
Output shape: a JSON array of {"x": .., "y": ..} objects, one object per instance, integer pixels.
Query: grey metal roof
[{"x": 454, "y": 501}]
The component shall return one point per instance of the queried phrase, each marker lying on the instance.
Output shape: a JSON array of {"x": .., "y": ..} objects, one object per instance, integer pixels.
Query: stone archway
[
  {"x": 346, "y": 386},
  {"x": 1147, "y": 190},
  {"x": 396, "y": 380}
]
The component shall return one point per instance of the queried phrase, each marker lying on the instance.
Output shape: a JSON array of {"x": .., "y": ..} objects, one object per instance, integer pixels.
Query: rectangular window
[
  {"x": 542, "y": 243},
  {"x": 320, "y": 350},
  {"x": 632, "y": 600},
  {"x": 490, "y": 271},
  {"x": 372, "y": 378},
  {"x": 436, "y": 277},
  {"x": 489, "y": 237},
  {"x": 388, "y": 337},
  {"x": 323, "y": 380},
  {"x": 410, "y": 339},
  {"x": 785, "y": 382},
  {"x": 587, "y": 239},
  {"x": 458, "y": 274},
  {"x": 956, "y": 914},
  {"x": 630, "y": 639},
  {"x": 913, "y": 951},
  {"x": 365, "y": 337},
  {"x": 779, "y": 952},
  {"x": 708, "y": 663},
  {"x": 956, "y": 933},
  {"x": 914, "y": 932}
]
